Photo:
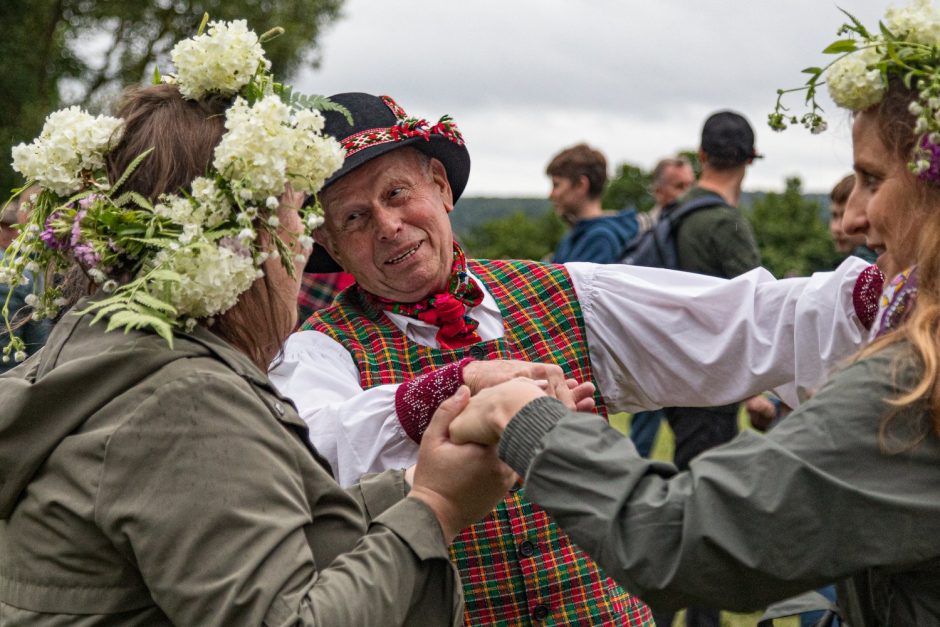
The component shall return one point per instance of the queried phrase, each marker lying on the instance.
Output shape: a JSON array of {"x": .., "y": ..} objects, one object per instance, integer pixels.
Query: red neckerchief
[{"x": 445, "y": 310}]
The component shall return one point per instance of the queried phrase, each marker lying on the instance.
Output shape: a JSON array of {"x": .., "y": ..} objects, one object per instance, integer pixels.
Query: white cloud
[{"x": 526, "y": 78}]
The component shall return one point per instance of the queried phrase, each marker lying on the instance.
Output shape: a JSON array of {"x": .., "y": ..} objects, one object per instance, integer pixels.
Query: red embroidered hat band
[{"x": 406, "y": 127}]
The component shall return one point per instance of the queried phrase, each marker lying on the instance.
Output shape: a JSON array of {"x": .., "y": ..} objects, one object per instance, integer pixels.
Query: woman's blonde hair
[{"x": 922, "y": 329}]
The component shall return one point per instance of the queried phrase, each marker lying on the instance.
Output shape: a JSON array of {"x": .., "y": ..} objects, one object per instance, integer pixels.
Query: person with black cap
[
  {"x": 422, "y": 319},
  {"x": 718, "y": 241}
]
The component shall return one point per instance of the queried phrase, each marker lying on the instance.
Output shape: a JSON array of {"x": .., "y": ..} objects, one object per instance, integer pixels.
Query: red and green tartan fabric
[
  {"x": 517, "y": 566},
  {"x": 318, "y": 291}
]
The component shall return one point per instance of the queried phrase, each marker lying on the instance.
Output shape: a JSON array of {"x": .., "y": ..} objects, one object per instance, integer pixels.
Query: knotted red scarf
[{"x": 446, "y": 310}]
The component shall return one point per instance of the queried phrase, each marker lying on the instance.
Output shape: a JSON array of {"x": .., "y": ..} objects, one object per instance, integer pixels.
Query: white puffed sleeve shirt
[{"x": 655, "y": 337}]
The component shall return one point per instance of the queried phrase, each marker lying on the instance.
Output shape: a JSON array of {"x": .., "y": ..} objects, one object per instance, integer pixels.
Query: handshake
[{"x": 459, "y": 474}]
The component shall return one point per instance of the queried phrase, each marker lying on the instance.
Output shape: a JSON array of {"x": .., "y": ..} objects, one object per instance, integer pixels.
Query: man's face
[
  {"x": 844, "y": 243},
  {"x": 386, "y": 223},
  {"x": 675, "y": 182},
  {"x": 568, "y": 195}
]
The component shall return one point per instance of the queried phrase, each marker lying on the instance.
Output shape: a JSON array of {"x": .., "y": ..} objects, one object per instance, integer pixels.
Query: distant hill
[{"x": 473, "y": 211}]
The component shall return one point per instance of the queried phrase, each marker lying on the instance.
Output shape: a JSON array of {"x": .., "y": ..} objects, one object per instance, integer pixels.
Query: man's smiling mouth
[{"x": 404, "y": 255}]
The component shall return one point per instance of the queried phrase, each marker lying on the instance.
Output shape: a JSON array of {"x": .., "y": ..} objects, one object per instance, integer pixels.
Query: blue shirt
[{"x": 598, "y": 240}]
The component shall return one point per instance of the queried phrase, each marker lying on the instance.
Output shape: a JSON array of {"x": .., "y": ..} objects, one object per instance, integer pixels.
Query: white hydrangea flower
[
  {"x": 190, "y": 233},
  {"x": 223, "y": 60},
  {"x": 215, "y": 207},
  {"x": 71, "y": 141},
  {"x": 212, "y": 278},
  {"x": 253, "y": 150},
  {"x": 208, "y": 207},
  {"x": 852, "y": 84},
  {"x": 314, "y": 221},
  {"x": 267, "y": 146},
  {"x": 311, "y": 157},
  {"x": 918, "y": 22},
  {"x": 174, "y": 208}
]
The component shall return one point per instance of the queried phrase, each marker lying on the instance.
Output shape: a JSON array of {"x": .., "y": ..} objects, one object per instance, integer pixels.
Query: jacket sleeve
[
  {"x": 204, "y": 491},
  {"x": 753, "y": 521}
]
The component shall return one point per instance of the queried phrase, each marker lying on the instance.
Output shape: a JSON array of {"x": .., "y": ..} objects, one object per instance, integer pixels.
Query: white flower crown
[
  {"x": 906, "y": 47},
  {"x": 189, "y": 255}
]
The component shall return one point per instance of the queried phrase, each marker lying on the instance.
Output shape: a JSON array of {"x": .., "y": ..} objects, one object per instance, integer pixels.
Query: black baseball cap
[{"x": 728, "y": 139}]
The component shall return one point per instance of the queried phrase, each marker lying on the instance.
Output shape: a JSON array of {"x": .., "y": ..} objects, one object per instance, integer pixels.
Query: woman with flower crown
[
  {"x": 155, "y": 476},
  {"x": 846, "y": 488}
]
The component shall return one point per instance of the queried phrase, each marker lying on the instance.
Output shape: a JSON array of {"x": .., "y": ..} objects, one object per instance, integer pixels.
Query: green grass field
[{"x": 662, "y": 450}]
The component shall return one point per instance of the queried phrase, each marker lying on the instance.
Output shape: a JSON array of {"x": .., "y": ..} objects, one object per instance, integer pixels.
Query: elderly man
[
  {"x": 672, "y": 178},
  {"x": 368, "y": 373}
]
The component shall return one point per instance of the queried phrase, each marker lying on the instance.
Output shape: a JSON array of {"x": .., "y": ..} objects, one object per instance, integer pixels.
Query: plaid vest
[{"x": 516, "y": 565}]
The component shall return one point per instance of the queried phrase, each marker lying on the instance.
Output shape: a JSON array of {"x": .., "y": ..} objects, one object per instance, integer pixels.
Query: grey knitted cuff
[{"x": 524, "y": 433}]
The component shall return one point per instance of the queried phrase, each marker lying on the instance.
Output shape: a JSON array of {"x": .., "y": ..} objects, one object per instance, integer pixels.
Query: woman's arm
[
  {"x": 230, "y": 521},
  {"x": 753, "y": 521}
]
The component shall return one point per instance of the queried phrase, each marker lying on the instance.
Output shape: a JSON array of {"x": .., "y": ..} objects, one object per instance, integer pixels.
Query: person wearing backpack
[
  {"x": 711, "y": 237},
  {"x": 579, "y": 175}
]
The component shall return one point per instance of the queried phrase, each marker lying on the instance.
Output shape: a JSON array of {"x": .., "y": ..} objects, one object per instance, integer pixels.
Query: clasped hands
[{"x": 458, "y": 474}]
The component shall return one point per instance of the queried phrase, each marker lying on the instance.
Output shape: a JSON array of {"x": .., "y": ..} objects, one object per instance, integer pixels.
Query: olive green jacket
[
  {"x": 717, "y": 241},
  {"x": 146, "y": 486},
  {"x": 761, "y": 518}
]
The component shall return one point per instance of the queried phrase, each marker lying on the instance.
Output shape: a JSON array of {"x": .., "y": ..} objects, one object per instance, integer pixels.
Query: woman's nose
[{"x": 855, "y": 218}]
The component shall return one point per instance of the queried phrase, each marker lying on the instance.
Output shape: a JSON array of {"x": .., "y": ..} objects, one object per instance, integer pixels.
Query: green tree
[
  {"x": 793, "y": 239},
  {"x": 62, "y": 52},
  {"x": 692, "y": 156},
  {"x": 629, "y": 188},
  {"x": 517, "y": 236}
]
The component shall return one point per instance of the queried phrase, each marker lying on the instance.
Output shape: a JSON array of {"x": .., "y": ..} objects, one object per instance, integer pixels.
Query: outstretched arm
[
  {"x": 665, "y": 338},
  {"x": 753, "y": 521}
]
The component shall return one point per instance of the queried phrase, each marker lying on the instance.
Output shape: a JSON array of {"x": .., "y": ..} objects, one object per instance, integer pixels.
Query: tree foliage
[
  {"x": 516, "y": 236},
  {"x": 62, "y": 52},
  {"x": 793, "y": 239},
  {"x": 629, "y": 188},
  {"x": 791, "y": 234}
]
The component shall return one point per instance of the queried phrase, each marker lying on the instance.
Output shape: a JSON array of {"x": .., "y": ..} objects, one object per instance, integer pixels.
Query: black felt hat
[{"x": 380, "y": 126}]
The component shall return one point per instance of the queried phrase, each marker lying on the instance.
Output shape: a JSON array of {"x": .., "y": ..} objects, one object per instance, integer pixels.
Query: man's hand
[
  {"x": 487, "y": 414},
  {"x": 460, "y": 483},
  {"x": 761, "y": 411},
  {"x": 480, "y": 375}
]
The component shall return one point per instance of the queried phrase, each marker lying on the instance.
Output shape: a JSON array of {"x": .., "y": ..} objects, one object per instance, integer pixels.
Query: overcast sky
[{"x": 634, "y": 78}]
